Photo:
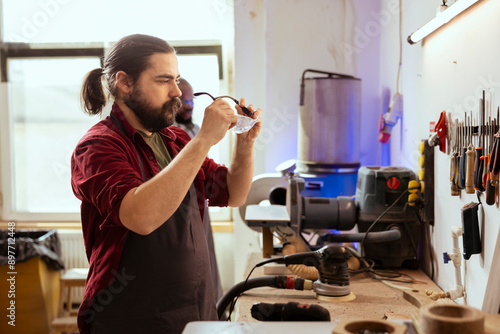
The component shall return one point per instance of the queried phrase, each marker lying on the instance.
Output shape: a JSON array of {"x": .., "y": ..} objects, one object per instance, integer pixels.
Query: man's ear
[{"x": 124, "y": 83}]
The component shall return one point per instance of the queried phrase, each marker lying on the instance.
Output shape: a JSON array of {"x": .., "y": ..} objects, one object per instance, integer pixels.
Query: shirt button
[{"x": 150, "y": 157}]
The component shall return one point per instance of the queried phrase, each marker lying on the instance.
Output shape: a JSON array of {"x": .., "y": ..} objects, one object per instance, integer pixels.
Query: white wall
[
  {"x": 447, "y": 71},
  {"x": 275, "y": 41}
]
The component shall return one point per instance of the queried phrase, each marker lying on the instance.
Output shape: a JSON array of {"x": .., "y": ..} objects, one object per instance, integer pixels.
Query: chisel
[{"x": 478, "y": 168}]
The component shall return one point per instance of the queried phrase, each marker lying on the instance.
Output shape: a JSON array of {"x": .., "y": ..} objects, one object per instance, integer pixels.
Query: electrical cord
[
  {"x": 400, "y": 45},
  {"x": 385, "y": 211},
  {"x": 235, "y": 291},
  {"x": 368, "y": 265},
  {"x": 428, "y": 240},
  {"x": 279, "y": 282},
  {"x": 313, "y": 234},
  {"x": 242, "y": 288},
  {"x": 405, "y": 222},
  {"x": 383, "y": 214},
  {"x": 384, "y": 274}
]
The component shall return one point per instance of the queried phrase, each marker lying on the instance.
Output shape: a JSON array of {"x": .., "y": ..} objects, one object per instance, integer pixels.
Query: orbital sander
[
  {"x": 333, "y": 271},
  {"x": 332, "y": 282}
]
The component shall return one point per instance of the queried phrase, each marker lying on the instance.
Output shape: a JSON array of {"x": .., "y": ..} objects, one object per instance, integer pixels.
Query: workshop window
[
  {"x": 44, "y": 124},
  {"x": 46, "y": 49}
]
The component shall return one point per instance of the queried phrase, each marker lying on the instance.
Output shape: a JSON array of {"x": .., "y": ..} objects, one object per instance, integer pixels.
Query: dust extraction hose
[
  {"x": 280, "y": 282},
  {"x": 372, "y": 237}
]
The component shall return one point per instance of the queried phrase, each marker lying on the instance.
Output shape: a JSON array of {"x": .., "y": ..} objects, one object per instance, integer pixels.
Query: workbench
[
  {"x": 374, "y": 299},
  {"x": 374, "y": 302}
]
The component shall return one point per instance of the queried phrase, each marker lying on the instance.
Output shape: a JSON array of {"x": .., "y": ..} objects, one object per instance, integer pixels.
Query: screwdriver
[
  {"x": 495, "y": 163},
  {"x": 462, "y": 158},
  {"x": 457, "y": 155},
  {"x": 490, "y": 189},
  {"x": 495, "y": 159},
  {"x": 486, "y": 147},
  {"x": 486, "y": 150},
  {"x": 478, "y": 169},
  {"x": 484, "y": 135},
  {"x": 469, "y": 172}
]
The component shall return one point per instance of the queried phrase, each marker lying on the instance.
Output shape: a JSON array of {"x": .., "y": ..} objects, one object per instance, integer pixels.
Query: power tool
[
  {"x": 290, "y": 311},
  {"x": 333, "y": 281},
  {"x": 379, "y": 209}
]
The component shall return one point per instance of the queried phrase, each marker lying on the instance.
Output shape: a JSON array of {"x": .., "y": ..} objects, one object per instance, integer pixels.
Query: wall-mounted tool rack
[{"x": 473, "y": 144}]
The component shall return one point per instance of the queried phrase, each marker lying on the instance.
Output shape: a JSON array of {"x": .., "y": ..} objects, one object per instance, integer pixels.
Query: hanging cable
[{"x": 400, "y": 46}]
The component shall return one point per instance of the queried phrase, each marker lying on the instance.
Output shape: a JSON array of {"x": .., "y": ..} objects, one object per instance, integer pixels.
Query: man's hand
[
  {"x": 219, "y": 117},
  {"x": 252, "y": 134},
  {"x": 240, "y": 174}
]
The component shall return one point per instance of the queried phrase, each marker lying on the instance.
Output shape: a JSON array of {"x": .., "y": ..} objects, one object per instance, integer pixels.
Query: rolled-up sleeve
[
  {"x": 216, "y": 190},
  {"x": 103, "y": 172}
]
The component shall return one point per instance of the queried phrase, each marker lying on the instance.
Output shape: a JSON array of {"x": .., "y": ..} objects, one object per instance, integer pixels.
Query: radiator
[{"x": 73, "y": 255}]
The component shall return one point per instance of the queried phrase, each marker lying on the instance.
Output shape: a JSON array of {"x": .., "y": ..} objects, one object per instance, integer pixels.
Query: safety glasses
[
  {"x": 244, "y": 123},
  {"x": 245, "y": 110}
]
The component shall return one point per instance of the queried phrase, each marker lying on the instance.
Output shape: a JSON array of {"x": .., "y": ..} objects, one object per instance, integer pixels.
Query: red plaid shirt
[{"x": 104, "y": 167}]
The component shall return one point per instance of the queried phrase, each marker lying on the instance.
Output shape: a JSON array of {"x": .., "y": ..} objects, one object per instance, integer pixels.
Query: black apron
[{"x": 163, "y": 280}]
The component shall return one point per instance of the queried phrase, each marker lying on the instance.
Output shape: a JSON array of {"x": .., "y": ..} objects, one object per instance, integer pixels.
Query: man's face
[
  {"x": 186, "y": 111},
  {"x": 155, "y": 95}
]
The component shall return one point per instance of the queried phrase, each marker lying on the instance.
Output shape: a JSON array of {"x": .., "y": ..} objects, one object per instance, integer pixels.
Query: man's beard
[{"x": 152, "y": 118}]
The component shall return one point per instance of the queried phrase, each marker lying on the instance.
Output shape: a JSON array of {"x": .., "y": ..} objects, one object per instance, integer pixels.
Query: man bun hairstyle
[{"x": 131, "y": 55}]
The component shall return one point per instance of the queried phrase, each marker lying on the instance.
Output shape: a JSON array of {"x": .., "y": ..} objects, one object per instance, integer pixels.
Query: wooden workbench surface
[{"x": 374, "y": 300}]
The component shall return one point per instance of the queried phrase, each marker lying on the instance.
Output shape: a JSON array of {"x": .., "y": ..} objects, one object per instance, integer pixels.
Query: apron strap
[{"x": 121, "y": 127}]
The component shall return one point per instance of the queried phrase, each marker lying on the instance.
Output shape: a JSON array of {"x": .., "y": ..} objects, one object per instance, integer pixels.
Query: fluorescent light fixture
[{"x": 440, "y": 19}]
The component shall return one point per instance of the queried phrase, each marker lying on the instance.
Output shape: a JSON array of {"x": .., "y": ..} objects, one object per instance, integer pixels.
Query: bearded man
[{"x": 143, "y": 186}]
